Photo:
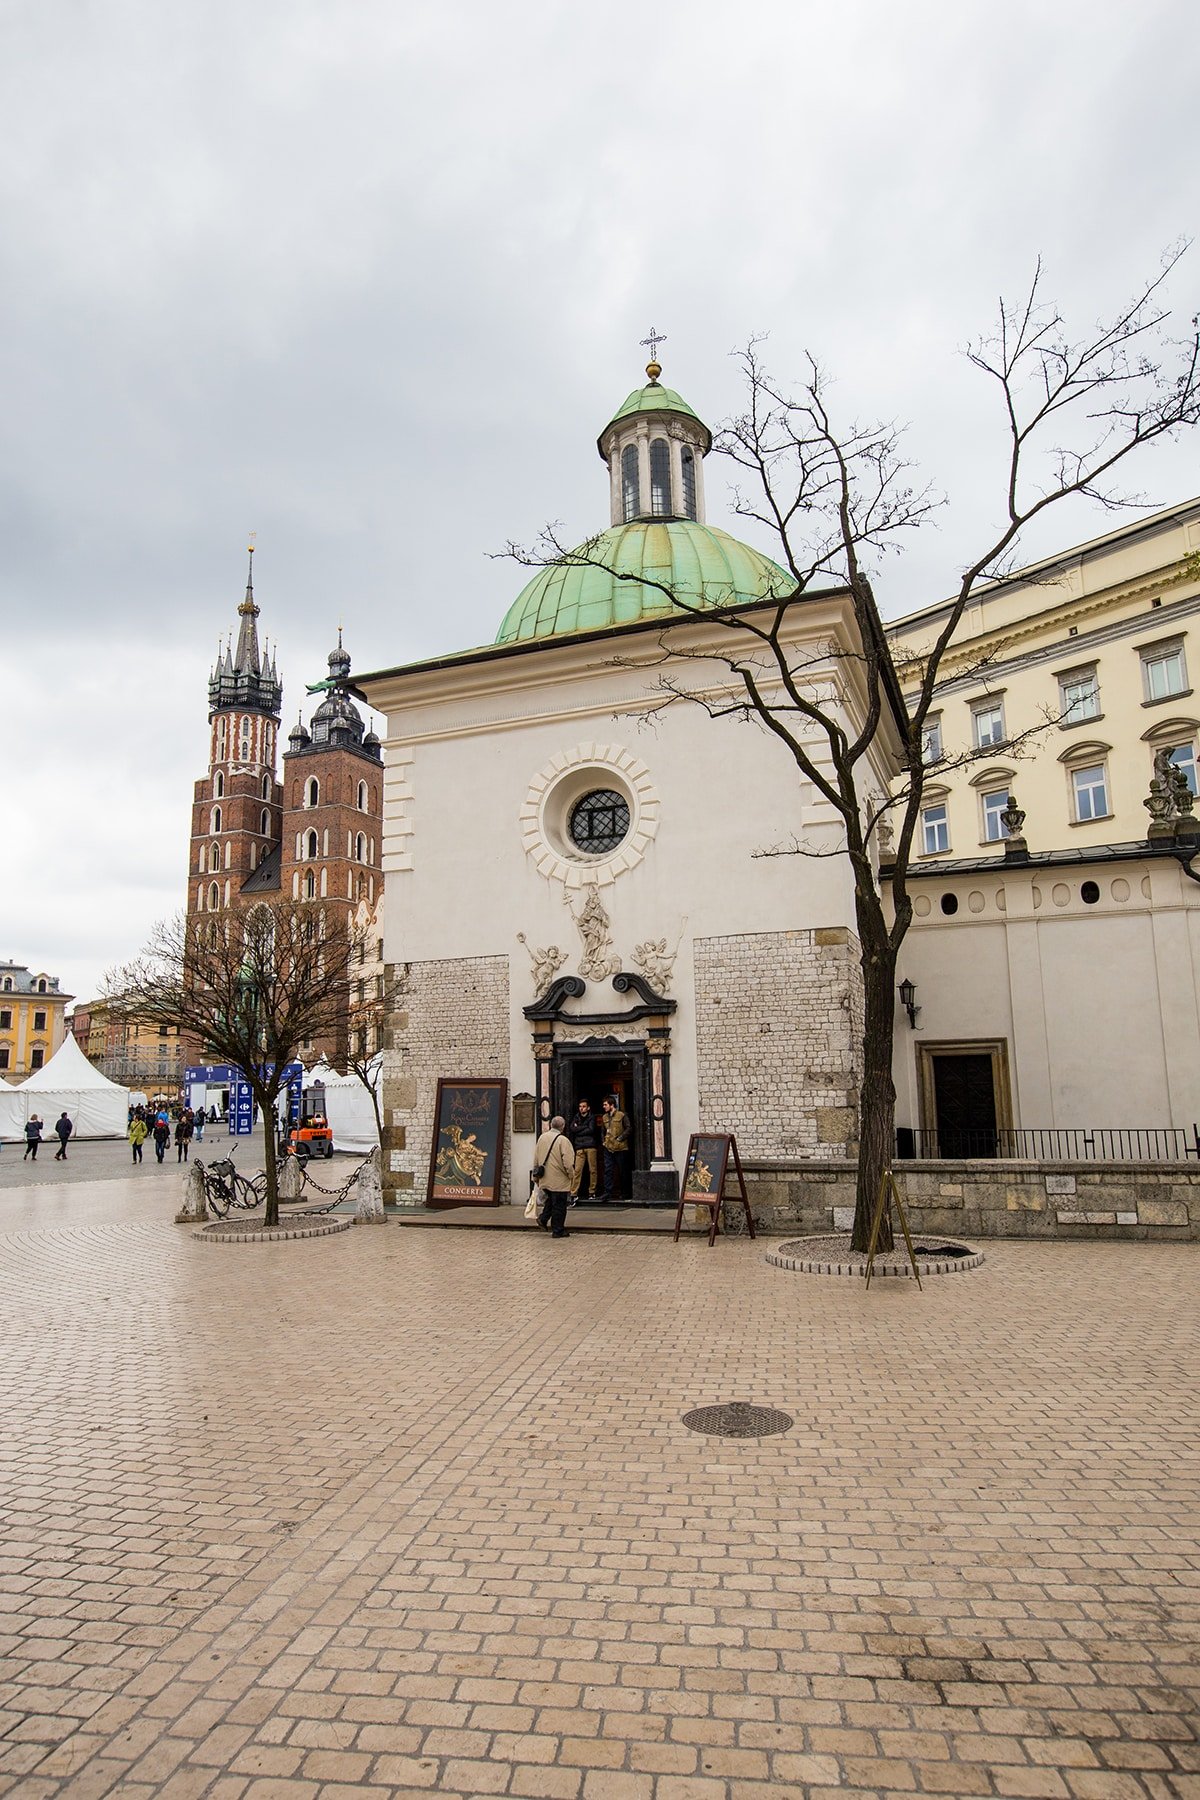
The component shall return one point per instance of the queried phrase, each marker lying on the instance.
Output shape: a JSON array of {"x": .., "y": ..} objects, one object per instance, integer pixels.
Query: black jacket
[{"x": 583, "y": 1131}]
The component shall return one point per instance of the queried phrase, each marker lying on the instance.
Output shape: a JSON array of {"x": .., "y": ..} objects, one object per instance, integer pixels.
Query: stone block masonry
[
  {"x": 778, "y": 1040},
  {"x": 992, "y": 1199},
  {"x": 450, "y": 1018}
]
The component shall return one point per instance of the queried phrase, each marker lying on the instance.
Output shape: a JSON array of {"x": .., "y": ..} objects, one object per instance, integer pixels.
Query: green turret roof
[
  {"x": 655, "y": 398},
  {"x": 702, "y": 566}
]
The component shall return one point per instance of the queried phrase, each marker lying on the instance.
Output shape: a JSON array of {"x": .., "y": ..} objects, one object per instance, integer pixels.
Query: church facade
[
  {"x": 308, "y": 830},
  {"x": 581, "y": 898}
]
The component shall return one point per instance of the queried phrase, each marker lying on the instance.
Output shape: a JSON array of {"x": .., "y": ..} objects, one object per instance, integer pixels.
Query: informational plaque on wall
[{"x": 467, "y": 1158}]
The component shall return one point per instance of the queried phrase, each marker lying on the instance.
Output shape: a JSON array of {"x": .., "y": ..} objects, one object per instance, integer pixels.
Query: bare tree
[
  {"x": 251, "y": 987},
  {"x": 370, "y": 1006},
  {"x": 836, "y": 497}
]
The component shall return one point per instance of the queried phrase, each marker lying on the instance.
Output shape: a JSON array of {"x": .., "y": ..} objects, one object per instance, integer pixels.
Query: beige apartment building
[
  {"x": 31, "y": 1019},
  {"x": 1056, "y": 970}
]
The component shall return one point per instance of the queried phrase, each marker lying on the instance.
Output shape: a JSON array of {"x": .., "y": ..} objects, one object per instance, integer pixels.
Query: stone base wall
[
  {"x": 986, "y": 1199},
  {"x": 778, "y": 1040},
  {"x": 450, "y": 1018}
]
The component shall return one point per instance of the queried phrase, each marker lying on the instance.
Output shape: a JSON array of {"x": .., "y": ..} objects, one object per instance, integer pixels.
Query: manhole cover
[{"x": 737, "y": 1419}]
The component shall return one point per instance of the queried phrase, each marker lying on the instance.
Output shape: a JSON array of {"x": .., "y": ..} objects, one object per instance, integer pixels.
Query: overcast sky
[{"x": 367, "y": 279}]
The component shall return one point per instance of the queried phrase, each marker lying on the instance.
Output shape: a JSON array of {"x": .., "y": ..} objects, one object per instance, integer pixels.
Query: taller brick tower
[{"x": 237, "y": 806}]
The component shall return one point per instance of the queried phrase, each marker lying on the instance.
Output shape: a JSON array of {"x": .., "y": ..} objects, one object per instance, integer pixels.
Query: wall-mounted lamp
[{"x": 908, "y": 997}]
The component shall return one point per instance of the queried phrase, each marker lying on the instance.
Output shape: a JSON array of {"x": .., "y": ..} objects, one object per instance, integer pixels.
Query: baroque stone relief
[
  {"x": 546, "y": 963},
  {"x": 596, "y": 962},
  {"x": 656, "y": 963}
]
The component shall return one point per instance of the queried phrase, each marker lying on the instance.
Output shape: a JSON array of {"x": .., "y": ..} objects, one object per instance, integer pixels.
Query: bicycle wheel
[
  {"x": 256, "y": 1188},
  {"x": 217, "y": 1195}
]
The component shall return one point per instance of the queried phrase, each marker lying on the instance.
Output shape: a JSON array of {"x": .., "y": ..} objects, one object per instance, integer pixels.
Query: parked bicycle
[{"x": 226, "y": 1186}]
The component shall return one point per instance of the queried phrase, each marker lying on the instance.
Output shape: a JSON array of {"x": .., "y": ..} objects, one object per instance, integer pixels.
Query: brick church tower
[
  {"x": 236, "y": 807},
  {"x": 314, "y": 836}
]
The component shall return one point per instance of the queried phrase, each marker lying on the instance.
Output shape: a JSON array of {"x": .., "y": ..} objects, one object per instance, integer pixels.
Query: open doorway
[{"x": 592, "y": 1072}]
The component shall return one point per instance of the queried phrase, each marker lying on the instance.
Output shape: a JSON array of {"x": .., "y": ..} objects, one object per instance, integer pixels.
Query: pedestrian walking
[
  {"x": 183, "y": 1136},
  {"x": 554, "y": 1168},
  {"x": 62, "y": 1130},
  {"x": 138, "y": 1132},
  {"x": 162, "y": 1135},
  {"x": 198, "y": 1125},
  {"x": 33, "y": 1137}
]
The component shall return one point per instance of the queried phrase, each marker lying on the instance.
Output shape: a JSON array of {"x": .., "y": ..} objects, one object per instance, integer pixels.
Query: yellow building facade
[{"x": 32, "y": 1011}]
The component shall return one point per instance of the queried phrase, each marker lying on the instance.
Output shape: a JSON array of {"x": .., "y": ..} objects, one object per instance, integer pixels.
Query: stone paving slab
[{"x": 397, "y": 1512}]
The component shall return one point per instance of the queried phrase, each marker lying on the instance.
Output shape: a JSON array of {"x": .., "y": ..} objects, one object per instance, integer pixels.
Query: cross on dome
[{"x": 654, "y": 367}]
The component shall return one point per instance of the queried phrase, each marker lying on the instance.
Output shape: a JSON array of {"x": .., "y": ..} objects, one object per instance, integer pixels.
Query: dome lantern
[{"x": 654, "y": 446}]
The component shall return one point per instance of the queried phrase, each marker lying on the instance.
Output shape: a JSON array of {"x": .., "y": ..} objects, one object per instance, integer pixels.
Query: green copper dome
[
  {"x": 703, "y": 566},
  {"x": 651, "y": 399}
]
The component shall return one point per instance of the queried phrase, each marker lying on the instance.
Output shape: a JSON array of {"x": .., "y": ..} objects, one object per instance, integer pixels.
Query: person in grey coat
[{"x": 554, "y": 1155}]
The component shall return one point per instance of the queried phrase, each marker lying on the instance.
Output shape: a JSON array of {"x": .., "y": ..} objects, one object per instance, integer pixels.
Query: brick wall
[
  {"x": 450, "y": 1018},
  {"x": 778, "y": 1040}
]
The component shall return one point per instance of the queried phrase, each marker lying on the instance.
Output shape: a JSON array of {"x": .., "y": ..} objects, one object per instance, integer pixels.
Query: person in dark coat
[
  {"x": 162, "y": 1135},
  {"x": 33, "y": 1137},
  {"x": 62, "y": 1131},
  {"x": 184, "y": 1127},
  {"x": 584, "y": 1134}
]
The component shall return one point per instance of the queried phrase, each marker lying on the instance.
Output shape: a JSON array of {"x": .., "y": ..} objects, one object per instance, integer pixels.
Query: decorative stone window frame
[
  {"x": 1076, "y": 675},
  {"x": 556, "y": 789},
  {"x": 1159, "y": 651},
  {"x": 989, "y": 703},
  {"x": 1086, "y": 754},
  {"x": 1179, "y": 733},
  {"x": 937, "y": 795}
]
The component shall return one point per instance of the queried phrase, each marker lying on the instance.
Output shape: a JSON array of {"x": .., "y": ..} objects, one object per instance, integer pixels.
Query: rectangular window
[
  {"x": 3, "y": 1056},
  {"x": 5, "y": 1020},
  {"x": 931, "y": 740},
  {"x": 1079, "y": 696},
  {"x": 35, "y": 1061},
  {"x": 988, "y": 721},
  {"x": 1091, "y": 793},
  {"x": 993, "y": 824},
  {"x": 1163, "y": 672},
  {"x": 39, "y": 1021},
  {"x": 935, "y": 826},
  {"x": 1183, "y": 756}
]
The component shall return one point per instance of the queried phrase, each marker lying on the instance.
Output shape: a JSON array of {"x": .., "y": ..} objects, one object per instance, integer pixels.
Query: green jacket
[{"x": 616, "y": 1130}]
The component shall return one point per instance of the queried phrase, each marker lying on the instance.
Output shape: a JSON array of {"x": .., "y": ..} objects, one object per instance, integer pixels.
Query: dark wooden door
[{"x": 964, "y": 1090}]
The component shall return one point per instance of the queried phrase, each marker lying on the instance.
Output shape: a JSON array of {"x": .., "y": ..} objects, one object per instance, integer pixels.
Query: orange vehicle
[{"x": 311, "y": 1137}]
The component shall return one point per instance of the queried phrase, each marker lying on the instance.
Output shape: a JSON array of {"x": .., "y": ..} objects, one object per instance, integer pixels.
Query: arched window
[
  {"x": 310, "y": 885},
  {"x": 312, "y": 794},
  {"x": 41, "y": 984},
  {"x": 244, "y": 744},
  {"x": 214, "y": 897},
  {"x": 219, "y": 785},
  {"x": 264, "y": 823},
  {"x": 222, "y": 728},
  {"x": 266, "y": 787},
  {"x": 214, "y": 857},
  {"x": 360, "y": 848},
  {"x": 312, "y": 848},
  {"x": 631, "y": 504},
  {"x": 216, "y": 819},
  {"x": 362, "y": 796},
  {"x": 660, "y": 478},
  {"x": 688, "y": 461}
]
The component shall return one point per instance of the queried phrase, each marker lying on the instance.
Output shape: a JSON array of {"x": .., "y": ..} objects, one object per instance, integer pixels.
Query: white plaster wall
[{"x": 1098, "y": 1004}]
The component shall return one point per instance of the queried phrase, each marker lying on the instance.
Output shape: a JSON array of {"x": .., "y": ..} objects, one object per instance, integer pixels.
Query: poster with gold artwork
[{"x": 467, "y": 1157}]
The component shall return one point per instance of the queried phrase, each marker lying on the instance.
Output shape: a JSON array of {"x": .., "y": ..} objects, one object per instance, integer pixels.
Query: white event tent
[
  {"x": 96, "y": 1106},
  {"x": 347, "y": 1107}
]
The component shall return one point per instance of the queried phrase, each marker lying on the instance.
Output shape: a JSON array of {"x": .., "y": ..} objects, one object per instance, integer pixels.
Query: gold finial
[{"x": 654, "y": 367}]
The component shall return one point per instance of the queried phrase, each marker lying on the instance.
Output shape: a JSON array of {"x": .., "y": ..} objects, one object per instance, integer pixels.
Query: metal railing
[{"x": 1069, "y": 1143}]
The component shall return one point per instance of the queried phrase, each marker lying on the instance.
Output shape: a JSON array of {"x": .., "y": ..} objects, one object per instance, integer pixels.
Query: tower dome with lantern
[{"x": 658, "y": 557}]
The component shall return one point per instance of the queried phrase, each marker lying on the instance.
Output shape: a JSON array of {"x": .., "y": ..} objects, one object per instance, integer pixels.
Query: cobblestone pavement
[
  {"x": 400, "y": 1511},
  {"x": 106, "y": 1159}
]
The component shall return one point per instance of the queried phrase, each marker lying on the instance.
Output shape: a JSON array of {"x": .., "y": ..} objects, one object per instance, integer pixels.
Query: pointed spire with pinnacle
[
  {"x": 248, "y": 660},
  {"x": 246, "y": 678}
]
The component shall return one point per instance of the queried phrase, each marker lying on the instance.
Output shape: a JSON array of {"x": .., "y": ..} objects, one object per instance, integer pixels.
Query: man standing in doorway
[
  {"x": 584, "y": 1134},
  {"x": 616, "y": 1150}
]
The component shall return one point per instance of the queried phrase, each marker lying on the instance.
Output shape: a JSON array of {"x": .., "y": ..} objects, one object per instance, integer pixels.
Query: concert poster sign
[
  {"x": 467, "y": 1157},
  {"x": 704, "y": 1170}
]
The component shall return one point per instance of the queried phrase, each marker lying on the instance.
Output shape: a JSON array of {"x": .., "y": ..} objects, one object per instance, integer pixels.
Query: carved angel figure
[
  {"x": 546, "y": 963},
  {"x": 656, "y": 963}
]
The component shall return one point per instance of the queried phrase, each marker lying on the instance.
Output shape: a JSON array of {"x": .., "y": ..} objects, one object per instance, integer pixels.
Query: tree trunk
[
  {"x": 877, "y": 1100},
  {"x": 270, "y": 1127}
]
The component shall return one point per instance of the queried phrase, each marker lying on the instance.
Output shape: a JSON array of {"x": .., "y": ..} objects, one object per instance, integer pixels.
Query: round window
[{"x": 599, "y": 822}]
